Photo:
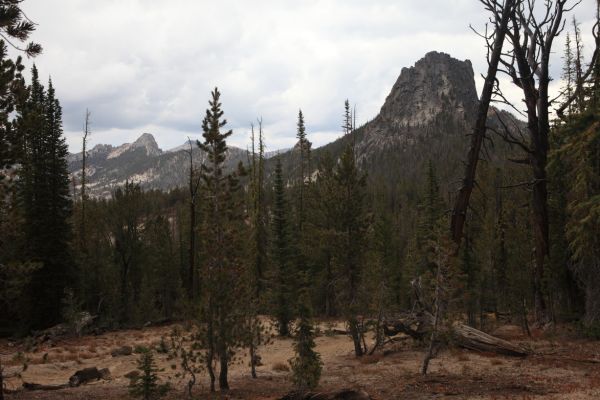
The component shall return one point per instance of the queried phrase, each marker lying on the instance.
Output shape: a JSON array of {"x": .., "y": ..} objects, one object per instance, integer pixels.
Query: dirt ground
[{"x": 561, "y": 368}]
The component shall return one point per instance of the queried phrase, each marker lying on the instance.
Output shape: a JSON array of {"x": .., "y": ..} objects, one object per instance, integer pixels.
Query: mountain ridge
[{"x": 430, "y": 108}]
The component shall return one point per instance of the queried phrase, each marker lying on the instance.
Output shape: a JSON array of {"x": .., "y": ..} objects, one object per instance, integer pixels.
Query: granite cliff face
[
  {"x": 436, "y": 84},
  {"x": 425, "y": 117},
  {"x": 435, "y": 99}
]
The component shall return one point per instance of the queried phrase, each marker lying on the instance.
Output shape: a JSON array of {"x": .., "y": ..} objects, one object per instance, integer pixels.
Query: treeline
[{"x": 319, "y": 239}]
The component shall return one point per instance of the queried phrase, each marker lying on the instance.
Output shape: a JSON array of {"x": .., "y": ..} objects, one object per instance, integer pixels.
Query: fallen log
[
  {"x": 343, "y": 394},
  {"x": 86, "y": 375},
  {"x": 418, "y": 326},
  {"x": 37, "y": 386},
  {"x": 474, "y": 339}
]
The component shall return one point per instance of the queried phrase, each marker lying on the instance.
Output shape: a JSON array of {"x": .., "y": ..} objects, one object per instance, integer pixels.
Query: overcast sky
[{"x": 149, "y": 65}]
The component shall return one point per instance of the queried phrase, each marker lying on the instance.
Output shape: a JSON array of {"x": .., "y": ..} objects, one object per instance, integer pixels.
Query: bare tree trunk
[
  {"x": 438, "y": 315},
  {"x": 194, "y": 184},
  {"x": 1, "y": 381},
  {"x": 224, "y": 363},
  {"x": 253, "y": 359},
  {"x": 210, "y": 353},
  {"x": 86, "y": 132},
  {"x": 356, "y": 336},
  {"x": 461, "y": 203}
]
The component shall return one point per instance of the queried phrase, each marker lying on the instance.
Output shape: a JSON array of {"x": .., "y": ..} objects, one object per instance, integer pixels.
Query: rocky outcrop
[
  {"x": 435, "y": 99},
  {"x": 142, "y": 162}
]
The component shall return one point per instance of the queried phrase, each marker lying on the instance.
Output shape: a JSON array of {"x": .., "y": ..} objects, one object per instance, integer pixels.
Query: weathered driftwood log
[
  {"x": 419, "y": 325},
  {"x": 343, "y": 394}
]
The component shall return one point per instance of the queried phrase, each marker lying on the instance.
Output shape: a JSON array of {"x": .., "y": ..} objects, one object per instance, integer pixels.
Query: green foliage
[
  {"x": 579, "y": 157},
  {"x": 283, "y": 278},
  {"x": 44, "y": 200},
  {"x": 146, "y": 385},
  {"x": 222, "y": 228},
  {"x": 306, "y": 365}
]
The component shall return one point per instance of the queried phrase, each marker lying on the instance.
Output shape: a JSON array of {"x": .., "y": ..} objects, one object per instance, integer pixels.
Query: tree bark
[{"x": 461, "y": 203}]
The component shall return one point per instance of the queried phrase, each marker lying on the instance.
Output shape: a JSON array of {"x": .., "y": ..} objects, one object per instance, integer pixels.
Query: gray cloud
[{"x": 149, "y": 65}]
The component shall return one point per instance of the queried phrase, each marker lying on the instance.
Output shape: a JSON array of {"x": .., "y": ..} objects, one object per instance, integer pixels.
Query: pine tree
[
  {"x": 145, "y": 386},
  {"x": 221, "y": 228},
  {"x": 44, "y": 190},
  {"x": 300, "y": 235},
  {"x": 304, "y": 169},
  {"x": 306, "y": 364},
  {"x": 283, "y": 277},
  {"x": 578, "y": 66},
  {"x": 351, "y": 231},
  {"x": 324, "y": 217},
  {"x": 258, "y": 213},
  {"x": 256, "y": 330},
  {"x": 581, "y": 153},
  {"x": 568, "y": 71},
  {"x": 430, "y": 211},
  {"x": 126, "y": 216}
]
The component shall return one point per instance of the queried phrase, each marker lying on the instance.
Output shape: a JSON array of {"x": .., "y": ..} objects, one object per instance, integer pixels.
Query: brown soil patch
[{"x": 561, "y": 369}]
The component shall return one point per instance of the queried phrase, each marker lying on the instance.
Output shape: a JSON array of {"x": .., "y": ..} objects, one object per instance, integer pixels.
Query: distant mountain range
[{"x": 426, "y": 116}]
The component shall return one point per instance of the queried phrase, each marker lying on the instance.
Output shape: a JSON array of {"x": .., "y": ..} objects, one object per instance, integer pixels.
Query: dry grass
[{"x": 457, "y": 373}]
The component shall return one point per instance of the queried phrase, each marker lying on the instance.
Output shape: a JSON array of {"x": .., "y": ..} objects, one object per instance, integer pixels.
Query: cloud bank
[{"x": 149, "y": 65}]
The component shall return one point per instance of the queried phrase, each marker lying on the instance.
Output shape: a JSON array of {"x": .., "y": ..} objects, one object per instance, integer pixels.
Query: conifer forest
[{"x": 443, "y": 243}]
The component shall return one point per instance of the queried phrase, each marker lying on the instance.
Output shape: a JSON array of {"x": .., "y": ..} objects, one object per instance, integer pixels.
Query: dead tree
[
  {"x": 526, "y": 62},
  {"x": 86, "y": 133},
  {"x": 193, "y": 187},
  {"x": 501, "y": 14},
  {"x": 439, "y": 306}
]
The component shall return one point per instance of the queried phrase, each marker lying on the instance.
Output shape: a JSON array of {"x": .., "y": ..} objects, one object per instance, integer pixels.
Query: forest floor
[{"x": 562, "y": 367}]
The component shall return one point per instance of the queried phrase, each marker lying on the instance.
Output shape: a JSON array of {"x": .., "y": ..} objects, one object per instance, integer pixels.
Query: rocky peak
[
  {"x": 437, "y": 83},
  {"x": 148, "y": 142}
]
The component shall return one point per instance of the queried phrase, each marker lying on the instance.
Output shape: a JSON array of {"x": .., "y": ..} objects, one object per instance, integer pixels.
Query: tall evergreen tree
[
  {"x": 221, "y": 230},
  {"x": 351, "y": 231},
  {"x": 258, "y": 213},
  {"x": 46, "y": 201},
  {"x": 282, "y": 274},
  {"x": 126, "y": 218}
]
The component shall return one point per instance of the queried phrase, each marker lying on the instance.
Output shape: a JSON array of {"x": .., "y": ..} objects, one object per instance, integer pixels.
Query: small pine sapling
[
  {"x": 306, "y": 365},
  {"x": 146, "y": 386}
]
